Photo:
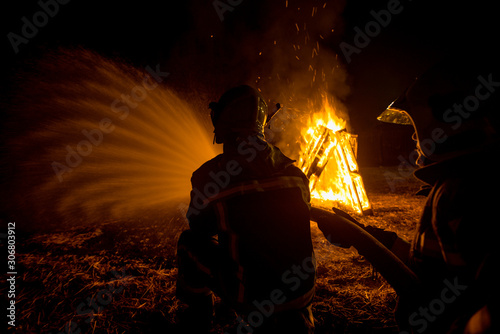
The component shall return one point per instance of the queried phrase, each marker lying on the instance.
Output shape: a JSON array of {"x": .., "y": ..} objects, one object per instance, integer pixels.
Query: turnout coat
[{"x": 254, "y": 204}]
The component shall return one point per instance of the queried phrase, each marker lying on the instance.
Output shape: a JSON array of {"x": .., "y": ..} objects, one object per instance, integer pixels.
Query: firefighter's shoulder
[{"x": 202, "y": 174}]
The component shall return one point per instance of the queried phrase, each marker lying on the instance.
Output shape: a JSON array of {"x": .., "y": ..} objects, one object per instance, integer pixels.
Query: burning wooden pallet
[{"x": 329, "y": 161}]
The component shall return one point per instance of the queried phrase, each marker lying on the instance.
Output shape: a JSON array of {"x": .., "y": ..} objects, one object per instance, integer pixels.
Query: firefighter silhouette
[
  {"x": 249, "y": 240},
  {"x": 454, "y": 109}
]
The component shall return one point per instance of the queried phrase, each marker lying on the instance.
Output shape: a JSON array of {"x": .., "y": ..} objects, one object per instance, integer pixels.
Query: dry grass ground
[{"x": 119, "y": 277}]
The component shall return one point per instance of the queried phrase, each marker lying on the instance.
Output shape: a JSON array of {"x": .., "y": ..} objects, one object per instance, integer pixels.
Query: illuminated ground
[{"x": 119, "y": 277}]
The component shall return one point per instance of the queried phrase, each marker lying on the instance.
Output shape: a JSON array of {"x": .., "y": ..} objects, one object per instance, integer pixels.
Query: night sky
[{"x": 189, "y": 39}]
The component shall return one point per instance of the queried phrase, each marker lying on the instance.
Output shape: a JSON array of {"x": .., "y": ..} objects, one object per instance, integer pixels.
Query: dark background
[{"x": 189, "y": 39}]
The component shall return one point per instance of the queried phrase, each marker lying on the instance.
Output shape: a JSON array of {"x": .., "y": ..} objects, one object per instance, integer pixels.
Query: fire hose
[{"x": 340, "y": 228}]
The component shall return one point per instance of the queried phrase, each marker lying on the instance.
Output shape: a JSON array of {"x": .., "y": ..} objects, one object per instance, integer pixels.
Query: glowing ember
[{"x": 328, "y": 159}]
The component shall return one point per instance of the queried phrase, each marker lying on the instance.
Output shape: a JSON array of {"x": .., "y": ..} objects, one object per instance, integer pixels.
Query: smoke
[
  {"x": 283, "y": 48},
  {"x": 296, "y": 59}
]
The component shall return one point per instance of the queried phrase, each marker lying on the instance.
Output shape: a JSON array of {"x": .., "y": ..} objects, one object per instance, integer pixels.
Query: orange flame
[{"x": 328, "y": 158}]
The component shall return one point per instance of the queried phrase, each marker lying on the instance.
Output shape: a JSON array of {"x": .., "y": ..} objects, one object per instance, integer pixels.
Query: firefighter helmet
[
  {"x": 452, "y": 107},
  {"x": 240, "y": 111}
]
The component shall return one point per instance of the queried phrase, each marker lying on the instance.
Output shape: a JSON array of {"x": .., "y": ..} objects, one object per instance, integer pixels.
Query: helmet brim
[
  {"x": 396, "y": 112},
  {"x": 395, "y": 116}
]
